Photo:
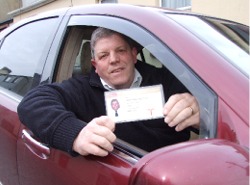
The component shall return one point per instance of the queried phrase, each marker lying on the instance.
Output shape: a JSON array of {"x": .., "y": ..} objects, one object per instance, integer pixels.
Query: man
[{"x": 70, "y": 116}]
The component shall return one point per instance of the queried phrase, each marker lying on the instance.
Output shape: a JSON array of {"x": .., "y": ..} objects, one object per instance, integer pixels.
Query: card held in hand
[{"x": 135, "y": 104}]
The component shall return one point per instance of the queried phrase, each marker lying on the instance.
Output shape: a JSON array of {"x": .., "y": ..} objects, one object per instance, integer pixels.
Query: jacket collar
[{"x": 94, "y": 79}]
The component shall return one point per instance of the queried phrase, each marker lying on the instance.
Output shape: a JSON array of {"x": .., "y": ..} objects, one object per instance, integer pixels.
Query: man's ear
[{"x": 93, "y": 62}]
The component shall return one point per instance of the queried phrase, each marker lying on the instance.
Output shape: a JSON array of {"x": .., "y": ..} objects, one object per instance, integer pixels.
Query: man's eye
[
  {"x": 121, "y": 50},
  {"x": 103, "y": 56}
]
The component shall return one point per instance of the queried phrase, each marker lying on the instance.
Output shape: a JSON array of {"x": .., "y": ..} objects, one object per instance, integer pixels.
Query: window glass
[
  {"x": 175, "y": 4},
  {"x": 108, "y": 1},
  {"x": 21, "y": 53}
]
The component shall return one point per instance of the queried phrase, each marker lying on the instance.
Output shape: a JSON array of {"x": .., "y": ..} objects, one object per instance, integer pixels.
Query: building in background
[
  {"x": 5, "y": 7},
  {"x": 235, "y": 10},
  {"x": 12, "y": 11}
]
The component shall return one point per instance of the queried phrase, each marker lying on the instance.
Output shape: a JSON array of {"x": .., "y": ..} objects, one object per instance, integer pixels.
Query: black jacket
[{"x": 56, "y": 113}]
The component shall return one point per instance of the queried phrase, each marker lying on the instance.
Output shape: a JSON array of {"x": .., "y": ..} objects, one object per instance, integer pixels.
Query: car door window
[
  {"x": 152, "y": 51},
  {"x": 21, "y": 53}
]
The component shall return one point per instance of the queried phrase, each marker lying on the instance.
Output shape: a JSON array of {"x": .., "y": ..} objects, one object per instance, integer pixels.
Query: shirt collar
[{"x": 136, "y": 82}]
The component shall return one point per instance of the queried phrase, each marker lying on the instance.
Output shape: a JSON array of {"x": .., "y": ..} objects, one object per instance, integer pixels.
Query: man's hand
[
  {"x": 182, "y": 111},
  {"x": 96, "y": 137}
]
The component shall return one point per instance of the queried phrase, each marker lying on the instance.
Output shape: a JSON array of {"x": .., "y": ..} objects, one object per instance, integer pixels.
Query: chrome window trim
[{"x": 124, "y": 155}]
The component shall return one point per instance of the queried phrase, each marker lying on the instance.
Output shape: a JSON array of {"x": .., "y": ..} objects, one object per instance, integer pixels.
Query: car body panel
[
  {"x": 61, "y": 168},
  {"x": 231, "y": 124},
  {"x": 212, "y": 156},
  {"x": 204, "y": 161},
  {"x": 9, "y": 128}
]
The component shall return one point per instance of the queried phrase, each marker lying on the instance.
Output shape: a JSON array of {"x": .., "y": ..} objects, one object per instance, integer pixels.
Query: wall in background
[{"x": 236, "y": 10}]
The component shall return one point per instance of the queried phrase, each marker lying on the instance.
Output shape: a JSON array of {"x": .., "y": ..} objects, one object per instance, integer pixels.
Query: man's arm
[
  {"x": 44, "y": 111},
  {"x": 49, "y": 112}
]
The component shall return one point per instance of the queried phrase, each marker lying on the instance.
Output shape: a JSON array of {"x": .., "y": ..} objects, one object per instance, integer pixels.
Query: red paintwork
[
  {"x": 213, "y": 161},
  {"x": 62, "y": 169},
  {"x": 218, "y": 161},
  {"x": 8, "y": 137}
]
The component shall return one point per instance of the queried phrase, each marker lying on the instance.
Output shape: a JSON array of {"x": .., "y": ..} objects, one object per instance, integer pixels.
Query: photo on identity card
[{"x": 135, "y": 104}]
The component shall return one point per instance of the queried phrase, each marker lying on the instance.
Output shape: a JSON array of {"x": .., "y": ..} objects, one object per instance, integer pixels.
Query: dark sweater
[{"x": 57, "y": 112}]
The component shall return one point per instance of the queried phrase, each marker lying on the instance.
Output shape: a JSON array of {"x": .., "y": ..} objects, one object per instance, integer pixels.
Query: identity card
[{"x": 135, "y": 104}]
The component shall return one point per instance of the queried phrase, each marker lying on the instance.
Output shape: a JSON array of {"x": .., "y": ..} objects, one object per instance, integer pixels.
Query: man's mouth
[{"x": 117, "y": 70}]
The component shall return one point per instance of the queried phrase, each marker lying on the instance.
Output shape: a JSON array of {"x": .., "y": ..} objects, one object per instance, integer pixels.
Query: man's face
[
  {"x": 114, "y": 61},
  {"x": 115, "y": 105}
]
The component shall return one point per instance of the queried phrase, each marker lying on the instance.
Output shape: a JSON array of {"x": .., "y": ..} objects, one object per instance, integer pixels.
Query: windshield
[{"x": 229, "y": 39}]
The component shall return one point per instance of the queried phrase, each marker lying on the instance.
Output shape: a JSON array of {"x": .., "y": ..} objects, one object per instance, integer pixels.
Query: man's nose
[{"x": 114, "y": 57}]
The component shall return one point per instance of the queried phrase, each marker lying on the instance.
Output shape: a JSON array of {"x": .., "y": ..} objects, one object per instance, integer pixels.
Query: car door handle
[{"x": 34, "y": 146}]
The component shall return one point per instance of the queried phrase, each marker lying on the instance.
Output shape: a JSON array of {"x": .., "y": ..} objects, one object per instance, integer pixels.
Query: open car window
[{"x": 75, "y": 59}]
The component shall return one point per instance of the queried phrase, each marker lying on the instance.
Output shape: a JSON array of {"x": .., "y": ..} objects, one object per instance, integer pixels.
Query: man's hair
[{"x": 100, "y": 33}]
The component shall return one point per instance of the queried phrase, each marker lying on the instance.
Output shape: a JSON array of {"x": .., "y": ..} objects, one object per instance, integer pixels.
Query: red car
[{"x": 209, "y": 56}]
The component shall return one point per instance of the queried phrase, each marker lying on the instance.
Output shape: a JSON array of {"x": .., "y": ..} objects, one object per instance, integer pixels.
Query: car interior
[{"x": 77, "y": 55}]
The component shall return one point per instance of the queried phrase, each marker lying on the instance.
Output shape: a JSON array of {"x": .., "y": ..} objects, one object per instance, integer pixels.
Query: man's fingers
[
  {"x": 187, "y": 122},
  {"x": 106, "y": 122},
  {"x": 180, "y": 117},
  {"x": 103, "y": 129},
  {"x": 182, "y": 111},
  {"x": 88, "y": 142},
  {"x": 96, "y": 137},
  {"x": 102, "y": 143},
  {"x": 170, "y": 103},
  {"x": 94, "y": 150},
  {"x": 177, "y": 102}
]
